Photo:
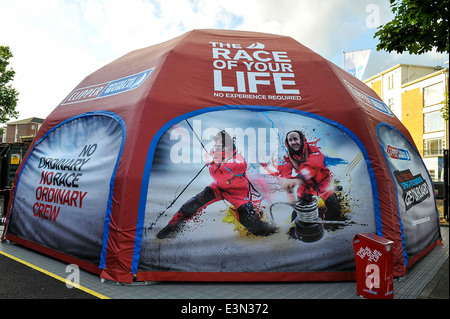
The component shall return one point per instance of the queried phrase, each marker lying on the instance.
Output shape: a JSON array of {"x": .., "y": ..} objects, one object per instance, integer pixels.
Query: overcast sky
[{"x": 57, "y": 43}]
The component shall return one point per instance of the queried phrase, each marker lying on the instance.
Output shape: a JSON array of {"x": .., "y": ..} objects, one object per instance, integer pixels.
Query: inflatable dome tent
[{"x": 222, "y": 156}]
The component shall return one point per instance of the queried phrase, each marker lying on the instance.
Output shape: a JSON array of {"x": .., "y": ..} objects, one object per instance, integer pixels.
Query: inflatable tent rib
[{"x": 222, "y": 156}]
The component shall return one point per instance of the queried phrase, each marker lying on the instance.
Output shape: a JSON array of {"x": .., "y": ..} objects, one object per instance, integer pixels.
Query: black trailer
[{"x": 11, "y": 156}]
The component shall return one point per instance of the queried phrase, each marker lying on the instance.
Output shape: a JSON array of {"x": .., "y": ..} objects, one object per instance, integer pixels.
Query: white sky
[{"x": 57, "y": 43}]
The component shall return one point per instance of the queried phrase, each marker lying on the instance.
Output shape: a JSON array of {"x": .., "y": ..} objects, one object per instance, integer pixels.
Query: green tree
[
  {"x": 8, "y": 95},
  {"x": 418, "y": 27},
  {"x": 444, "y": 110}
]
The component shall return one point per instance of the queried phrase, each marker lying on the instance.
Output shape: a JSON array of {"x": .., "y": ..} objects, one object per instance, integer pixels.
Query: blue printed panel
[
  {"x": 416, "y": 203},
  {"x": 63, "y": 191}
]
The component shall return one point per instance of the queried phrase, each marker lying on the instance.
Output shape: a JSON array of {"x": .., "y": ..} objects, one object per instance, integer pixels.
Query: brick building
[
  {"x": 23, "y": 130},
  {"x": 415, "y": 94}
]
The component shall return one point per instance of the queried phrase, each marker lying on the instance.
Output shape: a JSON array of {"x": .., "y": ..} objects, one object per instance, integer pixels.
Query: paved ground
[
  {"x": 26, "y": 274},
  {"x": 19, "y": 281},
  {"x": 437, "y": 288}
]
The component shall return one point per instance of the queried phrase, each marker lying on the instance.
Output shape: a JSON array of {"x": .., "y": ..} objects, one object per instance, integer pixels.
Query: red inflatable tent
[{"x": 222, "y": 156}]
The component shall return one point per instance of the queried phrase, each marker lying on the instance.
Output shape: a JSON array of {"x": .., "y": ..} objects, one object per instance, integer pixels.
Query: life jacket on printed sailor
[
  {"x": 308, "y": 164},
  {"x": 228, "y": 168}
]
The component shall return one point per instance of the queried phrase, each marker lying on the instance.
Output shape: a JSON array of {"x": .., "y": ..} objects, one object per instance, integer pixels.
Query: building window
[
  {"x": 432, "y": 174},
  {"x": 391, "y": 104},
  {"x": 433, "y": 122},
  {"x": 433, "y": 94},
  {"x": 433, "y": 147},
  {"x": 390, "y": 81}
]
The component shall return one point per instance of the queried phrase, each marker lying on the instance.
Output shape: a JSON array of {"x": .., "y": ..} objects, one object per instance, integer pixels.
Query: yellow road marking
[{"x": 96, "y": 294}]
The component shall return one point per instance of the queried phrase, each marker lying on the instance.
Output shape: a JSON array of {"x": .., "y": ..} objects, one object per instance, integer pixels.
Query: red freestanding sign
[{"x": 374, "y": 270}]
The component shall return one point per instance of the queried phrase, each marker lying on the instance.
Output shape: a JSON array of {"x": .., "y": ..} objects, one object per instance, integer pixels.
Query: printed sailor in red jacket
[
  {"x": 304, "y": 167},
  {"x": 227, "y": 168}
]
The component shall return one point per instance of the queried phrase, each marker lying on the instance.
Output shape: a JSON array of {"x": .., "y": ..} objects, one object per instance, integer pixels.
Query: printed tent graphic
[{"x": 222, "y": 156}]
